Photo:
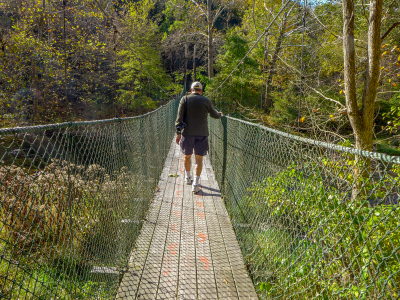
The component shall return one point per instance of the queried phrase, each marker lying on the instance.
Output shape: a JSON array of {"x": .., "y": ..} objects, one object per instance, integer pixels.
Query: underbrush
[
  {"x": 311, "y": 237},
  {"x": 56, "y": 224}
]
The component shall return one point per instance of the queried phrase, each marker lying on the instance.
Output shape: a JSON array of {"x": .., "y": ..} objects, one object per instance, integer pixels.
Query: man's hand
[
  {"x": 178, "y": 138},
  {"x": 221, "y": 113}
]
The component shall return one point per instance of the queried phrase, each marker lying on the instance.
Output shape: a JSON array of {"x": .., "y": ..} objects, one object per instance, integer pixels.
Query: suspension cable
[{"x": 252, "y": 48}]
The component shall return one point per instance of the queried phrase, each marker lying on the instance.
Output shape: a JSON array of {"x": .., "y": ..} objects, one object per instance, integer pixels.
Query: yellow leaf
[
  {"x": 341, "y": 92},
  {"x": 302, "y": 119},
  {"x": 394, "y": 84},
  {"x": 331, "y": 116},
  {"x": 382, "y": 68},
  {"x": 390, "y": 80}
]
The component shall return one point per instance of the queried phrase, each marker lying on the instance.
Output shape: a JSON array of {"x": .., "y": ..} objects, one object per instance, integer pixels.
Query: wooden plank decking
[{"x": 187, "y": 248}]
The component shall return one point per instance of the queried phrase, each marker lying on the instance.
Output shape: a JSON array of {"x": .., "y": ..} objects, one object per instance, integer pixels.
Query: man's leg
[
  {"x": 199, "y": 164},
  {"x": 188, "y": 163},
  {"x": 186, "y": 144},
  {"x": 200, "y": 149},
  {"x": 197, "y": 169}
]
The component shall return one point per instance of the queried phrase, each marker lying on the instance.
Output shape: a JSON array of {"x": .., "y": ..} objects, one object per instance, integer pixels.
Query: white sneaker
[
  {"x": 188, "y": 180},
  {"x": 195, "y": 188}
]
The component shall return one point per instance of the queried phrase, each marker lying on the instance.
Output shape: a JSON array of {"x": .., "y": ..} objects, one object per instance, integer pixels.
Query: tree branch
[
  {"x": 220, "y": 10},
  {"x": 390, "y": 29},
  {"x": 180, "y": 7},
  {"x": 318, "y": 92},
  {"x": 266, "y": 8},
  {"x": 254, "y": 20},
  {"x": 365, "y": 14},
  {"x": 323, "y": 96},
  {"x": 198, "y": 6}
]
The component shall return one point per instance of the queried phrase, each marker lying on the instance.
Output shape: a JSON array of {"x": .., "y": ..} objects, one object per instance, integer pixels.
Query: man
[{"x": 192, "y": 130}]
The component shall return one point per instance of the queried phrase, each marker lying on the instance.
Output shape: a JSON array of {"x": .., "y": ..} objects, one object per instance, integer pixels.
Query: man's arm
[
  {"x": 213, "y": 113},
  {"x": 179, "y": 118},
  {"x": 181, "y": 112}
]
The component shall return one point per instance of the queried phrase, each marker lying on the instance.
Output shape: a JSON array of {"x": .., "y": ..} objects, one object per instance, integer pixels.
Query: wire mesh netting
[
  {"x": 314, "y": 220},
  {"x": 73, "y": 199}
]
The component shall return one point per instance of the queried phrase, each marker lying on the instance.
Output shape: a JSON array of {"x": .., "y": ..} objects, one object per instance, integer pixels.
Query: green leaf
[{"x": 265, "y": 286}]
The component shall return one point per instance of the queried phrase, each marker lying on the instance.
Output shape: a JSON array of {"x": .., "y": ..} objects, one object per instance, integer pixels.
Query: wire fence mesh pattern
[
  {"x": 313, "y": 220},
  {"x": 73, "y": 199}
]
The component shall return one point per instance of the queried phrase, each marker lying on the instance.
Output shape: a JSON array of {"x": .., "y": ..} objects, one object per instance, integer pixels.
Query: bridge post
[{"x": 224, "y": 121}]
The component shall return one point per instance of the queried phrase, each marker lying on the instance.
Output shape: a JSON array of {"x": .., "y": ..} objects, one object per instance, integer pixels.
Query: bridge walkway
[{"x": 187, "y": 248}]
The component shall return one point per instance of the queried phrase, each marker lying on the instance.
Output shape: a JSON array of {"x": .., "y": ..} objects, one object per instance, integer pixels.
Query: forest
[
  {"x": 309, "y": 87},
  {"x": 77, "y": 60}
]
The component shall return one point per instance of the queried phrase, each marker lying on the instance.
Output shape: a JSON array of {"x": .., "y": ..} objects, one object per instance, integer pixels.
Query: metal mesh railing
[
  {"x": 314, "y": 220},
  {"x": 73, "y": 199}
]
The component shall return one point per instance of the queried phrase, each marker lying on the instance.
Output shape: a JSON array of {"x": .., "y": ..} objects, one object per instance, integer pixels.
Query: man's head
[{"x": 196, "y": 87}]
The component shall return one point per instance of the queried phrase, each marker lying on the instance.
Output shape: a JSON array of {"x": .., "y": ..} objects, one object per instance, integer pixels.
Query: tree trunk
[
  {"x": 268, "y": 87},
  {"x": 194, "y": 62},
  {"x": 186, "y": 61},
  {"x": 361, "y": 120},
  {"x": 272, "y": 66}
]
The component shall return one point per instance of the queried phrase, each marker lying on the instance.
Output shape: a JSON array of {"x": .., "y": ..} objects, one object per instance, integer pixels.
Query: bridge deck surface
[{"x": 187, "y": 248}]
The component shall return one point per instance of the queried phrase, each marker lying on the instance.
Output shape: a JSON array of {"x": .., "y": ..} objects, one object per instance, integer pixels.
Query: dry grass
[{"x": 52, "y": 208}]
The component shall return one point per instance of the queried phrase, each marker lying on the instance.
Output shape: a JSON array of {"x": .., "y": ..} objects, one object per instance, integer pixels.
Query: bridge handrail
[
  {"x": 25, "y": 129},
  {"x": 364, "y": 153},
  {"x": 312, "y": 218}
]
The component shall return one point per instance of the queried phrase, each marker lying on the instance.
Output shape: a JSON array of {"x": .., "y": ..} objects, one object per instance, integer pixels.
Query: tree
[
  {"x": 362, "y": 117},
  {"x": 142, "y": 59},
  {"x": 201, "y": 19}
]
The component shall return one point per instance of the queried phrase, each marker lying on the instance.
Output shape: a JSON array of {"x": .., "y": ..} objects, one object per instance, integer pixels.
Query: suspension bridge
[{"x": 99, "y": 210}]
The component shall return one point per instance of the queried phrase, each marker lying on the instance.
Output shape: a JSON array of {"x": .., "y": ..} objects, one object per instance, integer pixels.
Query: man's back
[{"x": 193, "y": 110}]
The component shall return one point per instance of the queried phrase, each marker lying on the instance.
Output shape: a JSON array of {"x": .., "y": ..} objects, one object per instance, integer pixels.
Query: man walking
[{"x": 192, "y": 130}]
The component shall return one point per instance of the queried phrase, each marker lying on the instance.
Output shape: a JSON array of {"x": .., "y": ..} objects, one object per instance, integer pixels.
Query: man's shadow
[{"x": 207, "y": 191}]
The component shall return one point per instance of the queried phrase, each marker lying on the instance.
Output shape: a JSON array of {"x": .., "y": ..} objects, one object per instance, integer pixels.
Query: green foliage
[
  {"x": 244, "y": 87},
  {"x": 340, "y": 247},
  {"x": 392, "y": 115},
  {"x": 142, "y": 59}
]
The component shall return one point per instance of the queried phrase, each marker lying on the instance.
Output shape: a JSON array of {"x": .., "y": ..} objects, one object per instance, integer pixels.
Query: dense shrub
[
  {"x": 56, "y": 224},
  {"x": 319, "y": 240}
]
